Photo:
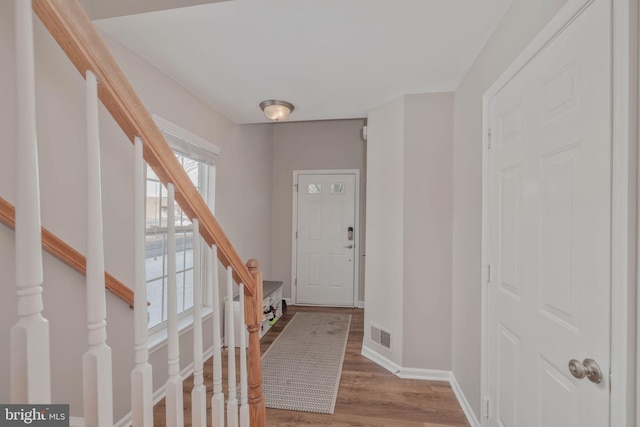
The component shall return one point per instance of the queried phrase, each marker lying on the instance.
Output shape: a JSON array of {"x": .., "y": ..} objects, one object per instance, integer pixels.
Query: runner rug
[{"x": 301, "y": 369}]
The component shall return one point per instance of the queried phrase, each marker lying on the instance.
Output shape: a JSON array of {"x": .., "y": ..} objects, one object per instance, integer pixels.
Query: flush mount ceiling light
[{"x": 276, "y": 111}]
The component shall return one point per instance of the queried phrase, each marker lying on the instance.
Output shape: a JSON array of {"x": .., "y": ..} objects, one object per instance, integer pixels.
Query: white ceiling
[{"x": 332, "y": 59}]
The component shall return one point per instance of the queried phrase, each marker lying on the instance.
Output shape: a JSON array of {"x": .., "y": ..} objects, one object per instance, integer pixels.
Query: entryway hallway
[{"x": 368, "y": 396}]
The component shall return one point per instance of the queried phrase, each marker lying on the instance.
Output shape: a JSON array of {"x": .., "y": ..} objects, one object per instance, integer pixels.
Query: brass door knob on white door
[
  {"x": 349, "y": 246},
  {"x": 587, "y": 368}
]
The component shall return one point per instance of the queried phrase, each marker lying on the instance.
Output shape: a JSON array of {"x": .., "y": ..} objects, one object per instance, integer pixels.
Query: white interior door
[
  {"x": 325, "y": 249},
  {"x": 549, "y": 235}
]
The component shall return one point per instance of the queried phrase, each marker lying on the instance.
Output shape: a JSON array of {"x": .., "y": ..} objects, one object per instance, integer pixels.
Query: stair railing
[
  {"x": 30, "y": 361},
  {"x": 65, "y": 253}
]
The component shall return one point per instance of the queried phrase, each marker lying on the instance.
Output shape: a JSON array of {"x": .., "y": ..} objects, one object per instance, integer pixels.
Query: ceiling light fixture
[{"x": 276, "y": 111}]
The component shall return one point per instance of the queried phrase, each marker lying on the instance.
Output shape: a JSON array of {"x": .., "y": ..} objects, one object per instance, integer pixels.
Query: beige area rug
[{"x": 301, "y": 370}]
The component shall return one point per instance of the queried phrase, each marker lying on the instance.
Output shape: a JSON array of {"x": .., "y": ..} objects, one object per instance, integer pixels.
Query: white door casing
[
  {"x": 549, "y": 231},
  {"x": 324, "y": 258}
]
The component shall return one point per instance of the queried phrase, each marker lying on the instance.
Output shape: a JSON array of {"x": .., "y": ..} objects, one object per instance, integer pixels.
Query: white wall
[
  {"x": 331, "y": 144},
  {"x": 243, "y": 192},
  {"x": 384, "y": 272},
  {"x": 521, "y": 23},
  {"x": 409, "y": 200},
  {"x": 169, "y": 100},
  {"x": 61, "y": 131},
  {"x": 428, "y": 191}
]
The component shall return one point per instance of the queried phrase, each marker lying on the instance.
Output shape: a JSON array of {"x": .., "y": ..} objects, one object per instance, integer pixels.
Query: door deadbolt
[{"x": 587, "y": 368}]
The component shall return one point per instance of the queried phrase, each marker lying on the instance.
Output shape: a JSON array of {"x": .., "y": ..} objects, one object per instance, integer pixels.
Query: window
[
  {"x": 314, "y": 188},
  {"x": 197, "y": 157},
  {"x": 156, "y": 243},
  {"x": 337, "y": 188}
]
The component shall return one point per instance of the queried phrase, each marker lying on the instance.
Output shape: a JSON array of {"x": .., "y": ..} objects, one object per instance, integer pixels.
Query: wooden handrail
[
  {"x": 59, "y": 249},
  {"x": 68, "y": 23}
]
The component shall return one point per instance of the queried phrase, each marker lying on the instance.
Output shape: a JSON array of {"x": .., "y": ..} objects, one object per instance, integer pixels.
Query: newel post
[{"x": 253, "y": 318}]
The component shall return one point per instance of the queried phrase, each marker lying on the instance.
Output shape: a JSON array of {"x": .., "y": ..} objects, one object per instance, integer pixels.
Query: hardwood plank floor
[{"x": 368, "y": 395}]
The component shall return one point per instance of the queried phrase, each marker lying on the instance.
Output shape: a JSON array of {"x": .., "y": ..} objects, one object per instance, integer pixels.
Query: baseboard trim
[
  {"x": 159, "y": 394},
  {"x": 464, "y": 403},
  {"x": 405, "y": 373},
  {"x": 375, "y": 357},
  {"x": 358, "y": 304},
  {"x": 424, "y": 374}
]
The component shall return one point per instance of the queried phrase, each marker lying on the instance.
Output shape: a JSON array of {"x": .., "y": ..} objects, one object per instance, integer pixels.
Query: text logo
[{"x": 34, "y": 415}]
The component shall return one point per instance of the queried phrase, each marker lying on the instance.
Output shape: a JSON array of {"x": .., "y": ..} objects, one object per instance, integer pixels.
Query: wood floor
[{"x": 368, "y": 395}]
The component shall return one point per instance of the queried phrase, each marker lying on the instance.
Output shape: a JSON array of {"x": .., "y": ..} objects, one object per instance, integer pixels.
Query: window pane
[
  {"x": 188, "y": 289},
  {"x": 176, "y": 215},
  {"x": 184, "y": 219},
  {"x": 154, "y": 296},
  {"x": 150, "y": 173},
  {"x": 180, "y": 236},
  {"x": 155, "y": 256},
  {"x": 337, "y": 188},
  {"x": 165, "y": 286},
  {"x": 191, "y": 167},
  {"x": 153, "y": 204},
  {"x": 314, "y": 188},
  {"x": 184, "y": 251},
  {"x": 180, "y": 287},
  {"x": 163, "y": 206}
]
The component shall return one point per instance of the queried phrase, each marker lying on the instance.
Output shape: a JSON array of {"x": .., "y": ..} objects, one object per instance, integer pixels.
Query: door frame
[
  {"x": 623, "y": 195},
  {"x": 294, "y": 227}
]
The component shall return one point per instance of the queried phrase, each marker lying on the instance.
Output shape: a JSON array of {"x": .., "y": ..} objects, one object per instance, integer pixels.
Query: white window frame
[{"x": 183, "y": 141}]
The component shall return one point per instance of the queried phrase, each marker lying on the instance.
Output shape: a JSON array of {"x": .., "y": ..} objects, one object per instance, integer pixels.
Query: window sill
[{"x": 158, "y": 339}]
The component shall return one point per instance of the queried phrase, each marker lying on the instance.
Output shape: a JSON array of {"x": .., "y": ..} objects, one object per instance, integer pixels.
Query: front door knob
[{"x": 587, "y": 368}]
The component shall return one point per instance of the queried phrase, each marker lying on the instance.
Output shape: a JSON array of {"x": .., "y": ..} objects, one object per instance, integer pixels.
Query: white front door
[
  {"x": 549, "y": 234},
  {"x": 326, "y": 244}
]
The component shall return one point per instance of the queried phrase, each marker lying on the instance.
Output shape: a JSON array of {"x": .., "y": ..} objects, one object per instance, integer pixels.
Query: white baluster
[
  {"x": 217, "y": 400},
  {"x": 209, "y": 277},
  {"x": 96, "y": 362},
  {"x": 232, "y": 399},
  {"x": 199, "y": 392},
  {"x": 244, "y": 379},
  {"x": 30, "y": 363},
  {"x": 175, "y": 415},
  {"x": 141, "y": 376}
]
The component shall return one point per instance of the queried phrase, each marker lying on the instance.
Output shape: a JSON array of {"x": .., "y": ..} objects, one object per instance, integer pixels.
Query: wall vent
[{"x": 380, "y": 336}]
